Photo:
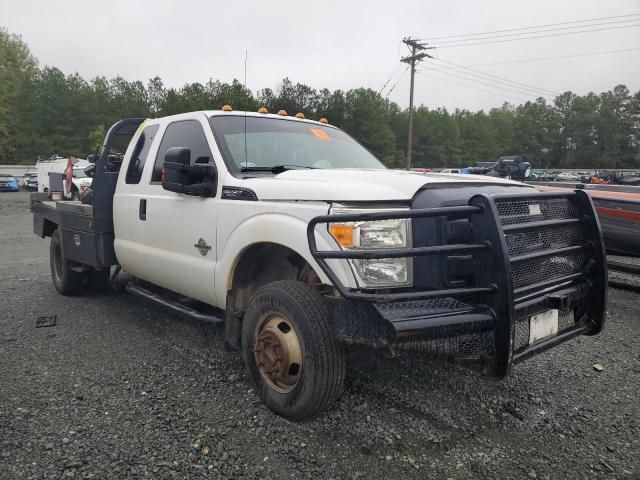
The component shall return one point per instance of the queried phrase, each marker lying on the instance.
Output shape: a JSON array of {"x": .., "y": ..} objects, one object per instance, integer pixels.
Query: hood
[{"x": 352, "y": 185}]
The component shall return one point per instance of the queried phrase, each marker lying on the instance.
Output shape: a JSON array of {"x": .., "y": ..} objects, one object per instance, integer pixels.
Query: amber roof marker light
[
  {"x": 299, "y": 115},
  {"x": 227, "y": 108},
  {"x": 282, "y": 113},
  {"x": 324, "y": 120},
  {"x": 263, "y": 110}
]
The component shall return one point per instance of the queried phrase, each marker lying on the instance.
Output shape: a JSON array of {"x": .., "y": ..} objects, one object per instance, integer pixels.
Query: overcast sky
[{"x": 333, "y": 44}]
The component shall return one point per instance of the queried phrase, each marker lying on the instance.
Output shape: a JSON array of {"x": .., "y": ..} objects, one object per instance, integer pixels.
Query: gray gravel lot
[{"x": 123, "y": 389}]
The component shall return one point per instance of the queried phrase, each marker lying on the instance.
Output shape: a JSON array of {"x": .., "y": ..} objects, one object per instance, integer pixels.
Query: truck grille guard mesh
[{"x": 524, "y": 248}]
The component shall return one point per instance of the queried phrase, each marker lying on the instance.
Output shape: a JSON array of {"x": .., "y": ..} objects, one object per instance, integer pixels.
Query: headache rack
[{"x": 531, "y": 252}]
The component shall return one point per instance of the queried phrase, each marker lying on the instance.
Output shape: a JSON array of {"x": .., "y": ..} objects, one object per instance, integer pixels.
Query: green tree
[
  {"x": 17, "y": 68},
  {"x": 45, "y": 111}
]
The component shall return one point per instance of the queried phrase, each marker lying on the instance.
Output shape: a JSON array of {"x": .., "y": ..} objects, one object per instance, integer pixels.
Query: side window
[
  {"x": 187, "y": 133},
  {"x": 139, "y": 156}
]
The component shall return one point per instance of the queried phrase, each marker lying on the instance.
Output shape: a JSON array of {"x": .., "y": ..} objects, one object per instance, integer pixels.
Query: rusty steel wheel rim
[{"x": 278, "y": 353}]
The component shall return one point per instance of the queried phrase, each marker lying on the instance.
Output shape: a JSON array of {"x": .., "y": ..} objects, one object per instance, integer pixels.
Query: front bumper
[{"x": 527, "y": 254}]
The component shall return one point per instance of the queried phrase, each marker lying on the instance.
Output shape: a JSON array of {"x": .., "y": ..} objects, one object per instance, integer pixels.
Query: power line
[
  {"x": 478, "y": 73},
  {"x": 540, "y": 59},
  {"x": 389, "y": 79},
  {"x": 534, "y": 27},
  {"x": 397, "y": 81},
  {"x": 518, "y": 34},
  {"x": 447, "y": 80},
  {"x": 488, "y": 83},
  {"x": 537, "y": 36}
]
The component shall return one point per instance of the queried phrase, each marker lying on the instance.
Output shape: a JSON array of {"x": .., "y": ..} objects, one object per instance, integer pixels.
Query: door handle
[{"x": 142, "y": 209}]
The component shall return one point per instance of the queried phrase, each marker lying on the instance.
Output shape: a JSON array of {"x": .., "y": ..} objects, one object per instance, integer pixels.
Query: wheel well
[
  {"x": 258, "y": 265},
  {"x": 263, "y": 263}
]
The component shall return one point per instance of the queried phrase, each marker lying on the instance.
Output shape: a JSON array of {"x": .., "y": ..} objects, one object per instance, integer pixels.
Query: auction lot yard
[{"x": 120, "y": 388}]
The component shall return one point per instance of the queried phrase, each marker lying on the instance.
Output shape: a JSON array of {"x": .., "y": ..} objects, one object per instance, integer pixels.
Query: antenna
[
  {"x": 246, "y": 155},
  {"x": 246, "y": 55}
]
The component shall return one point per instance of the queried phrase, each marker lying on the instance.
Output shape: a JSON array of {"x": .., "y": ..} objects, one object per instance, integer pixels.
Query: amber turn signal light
[{"x": 343, "y": 233}]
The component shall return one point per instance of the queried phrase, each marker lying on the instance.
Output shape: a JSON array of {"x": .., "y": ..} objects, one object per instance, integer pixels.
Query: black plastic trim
[{"x": 238, "y": 193}]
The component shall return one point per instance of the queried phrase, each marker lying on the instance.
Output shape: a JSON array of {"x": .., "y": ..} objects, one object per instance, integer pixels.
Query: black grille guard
[{"x": 495, "y": 265}]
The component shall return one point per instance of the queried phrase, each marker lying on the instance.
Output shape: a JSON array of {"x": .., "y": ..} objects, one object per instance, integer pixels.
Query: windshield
[
  {"x": 79, "y": 173},
  {"x": 271, "y": 142},
  {"x": 7, "y": 179}
]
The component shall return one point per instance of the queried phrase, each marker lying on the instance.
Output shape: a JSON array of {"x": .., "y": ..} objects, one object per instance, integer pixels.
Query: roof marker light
[
  {"x": 227, "y": 108},
  {"x": 299, "y": 115},
  {"x": 324, "y": 120},
  {"x": 263, "y": 110},
  {"x": 282, "y": 112}
]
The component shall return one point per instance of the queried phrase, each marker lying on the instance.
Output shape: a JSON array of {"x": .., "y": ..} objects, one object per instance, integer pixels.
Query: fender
[{"x": 286, "y": 229}]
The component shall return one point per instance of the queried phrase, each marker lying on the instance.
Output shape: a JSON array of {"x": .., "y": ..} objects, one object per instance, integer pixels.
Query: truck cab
[{"x": 306, "y": 248}]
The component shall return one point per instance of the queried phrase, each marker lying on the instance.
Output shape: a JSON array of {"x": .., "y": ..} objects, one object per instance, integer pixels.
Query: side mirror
[{"x": 199, "y": 179}]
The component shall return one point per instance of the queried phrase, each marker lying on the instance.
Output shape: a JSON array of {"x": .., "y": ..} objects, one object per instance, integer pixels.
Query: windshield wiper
[{"x": 275, "y": 168}]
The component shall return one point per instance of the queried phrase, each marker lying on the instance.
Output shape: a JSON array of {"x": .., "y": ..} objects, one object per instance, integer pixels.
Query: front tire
[
  {"x": 66, "y": 280},
  {"x": 290, "y": 350}
]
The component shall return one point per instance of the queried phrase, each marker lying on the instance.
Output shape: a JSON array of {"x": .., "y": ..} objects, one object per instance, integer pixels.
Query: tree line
[{"x": 44, "y": 111}]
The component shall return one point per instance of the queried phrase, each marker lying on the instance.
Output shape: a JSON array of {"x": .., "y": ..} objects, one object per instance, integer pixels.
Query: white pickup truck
[{"x": 307, "y": 248}]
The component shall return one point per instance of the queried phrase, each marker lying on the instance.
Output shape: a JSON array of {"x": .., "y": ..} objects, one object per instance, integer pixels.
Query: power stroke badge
[{"x": 202, "y": 247}]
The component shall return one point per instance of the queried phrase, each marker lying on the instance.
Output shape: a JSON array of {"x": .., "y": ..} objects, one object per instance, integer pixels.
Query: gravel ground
[{"x": 120, "y": 388}]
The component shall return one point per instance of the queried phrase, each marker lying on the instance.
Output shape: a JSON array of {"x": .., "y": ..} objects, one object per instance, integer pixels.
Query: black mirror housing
[{"x": 180, "y": 176}]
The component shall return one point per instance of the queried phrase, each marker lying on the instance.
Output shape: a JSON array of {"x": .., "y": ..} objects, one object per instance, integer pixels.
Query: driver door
[{"x": 177, "y": 232}]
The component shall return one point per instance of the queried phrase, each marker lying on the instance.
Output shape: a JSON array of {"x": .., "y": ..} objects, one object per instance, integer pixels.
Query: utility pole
[{"x": 412, "y": 60}]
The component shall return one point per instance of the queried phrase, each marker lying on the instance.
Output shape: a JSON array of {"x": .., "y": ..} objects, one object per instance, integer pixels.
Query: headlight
[{"x": 379, "y": 234}]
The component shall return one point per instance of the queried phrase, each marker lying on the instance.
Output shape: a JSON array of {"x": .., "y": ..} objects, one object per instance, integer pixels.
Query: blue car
[{"x": 9, "y": 184}]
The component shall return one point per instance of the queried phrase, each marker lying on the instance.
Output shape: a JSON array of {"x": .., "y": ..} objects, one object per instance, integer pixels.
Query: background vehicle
[
  {"x": 450, "y": 170},
  {"x": 59, "y": 165},
  {"x": 567, "y": 177},
  {"x": 585, "y": 177},
  {"x": 306, "y": 248},
  {"x": 81, "y": 182},
  {"x": 31, "y": 181},
  {"x": 9, "y": 184},
  {"x": 631, "y": 179},
  {"x": 511, "y": 167},
  {"x": 604, "y": 177}
]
